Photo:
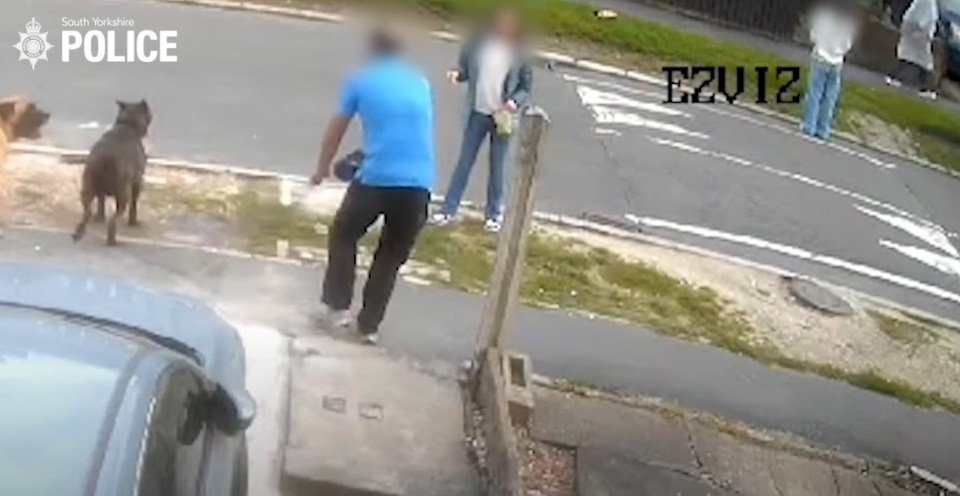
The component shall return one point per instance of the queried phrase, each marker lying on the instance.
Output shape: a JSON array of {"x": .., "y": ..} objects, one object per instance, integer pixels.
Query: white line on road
[
  {"x": 943, "y": 263},
  {"x": 800, "y": 253},
  {"x": 607, "y": 131},
  {"x": 926, "y": 231},
  {"x": 745, "y": 118},
  {"x": 607, "y": 115},
  {"x": 792, "y": 175},
  {"x": 590, "y": 97}
]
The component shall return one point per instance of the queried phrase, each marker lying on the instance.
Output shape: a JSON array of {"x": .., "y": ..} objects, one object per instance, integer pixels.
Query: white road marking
[
  {"x": 603, "y": 130},
  {"x": 590, "y": 97},
  {"x": 741, "y": 116},
  {"x": 930, "y": 233},
  {"x": 943, "y": 263},
  {"x": 608, "y": 84},
  {"x": 607, "y": 115},
  {"x": 794, "y": 176},
  {"x": 802, "y": 254}
]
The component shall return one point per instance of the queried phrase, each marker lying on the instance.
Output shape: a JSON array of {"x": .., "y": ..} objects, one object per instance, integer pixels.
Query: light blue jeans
[
  {"x": 823, "y": 91},
  {"x": 478, "y": 127}
]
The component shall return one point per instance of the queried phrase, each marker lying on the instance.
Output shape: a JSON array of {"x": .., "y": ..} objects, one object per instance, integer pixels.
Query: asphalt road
[{"x": 255, "y": 90}]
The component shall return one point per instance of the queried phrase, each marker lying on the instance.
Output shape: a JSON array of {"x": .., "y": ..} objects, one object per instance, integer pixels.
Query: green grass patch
[{"x": 263, "y": 222}]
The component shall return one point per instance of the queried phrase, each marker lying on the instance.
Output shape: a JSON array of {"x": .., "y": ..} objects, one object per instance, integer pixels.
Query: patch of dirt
[
  {"x": 855, "y": 344},
  {"x": 880, "y": 134},
  {"x": 45, "y": 191},
  {"x": 546, "y": 469}
]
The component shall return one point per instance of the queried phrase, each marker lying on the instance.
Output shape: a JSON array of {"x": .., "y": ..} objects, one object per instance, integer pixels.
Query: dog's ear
[
  {"x": 7, "y": 109},
  {"x": 122, "y": 105}
]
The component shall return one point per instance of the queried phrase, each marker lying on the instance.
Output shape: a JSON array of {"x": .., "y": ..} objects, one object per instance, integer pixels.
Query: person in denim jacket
[{"x": 499, "y": 80}]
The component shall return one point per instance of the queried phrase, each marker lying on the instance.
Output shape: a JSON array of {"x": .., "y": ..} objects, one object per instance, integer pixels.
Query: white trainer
[
  {"x": 332, "y": 319},
  {"x": 492, "y": 225},
  {"x": 440, "y": 219}
]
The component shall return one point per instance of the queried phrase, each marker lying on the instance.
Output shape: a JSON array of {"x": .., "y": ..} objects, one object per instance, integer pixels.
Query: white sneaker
[
  {"x": 491, "y": 225},
  {"x": 893, "y": 82},
  {"x": 371, "y": 339},
  {"x": 440, "y": 219},
  {"x": 335, "y": 319},
  {"x": 929, "y": 95}
]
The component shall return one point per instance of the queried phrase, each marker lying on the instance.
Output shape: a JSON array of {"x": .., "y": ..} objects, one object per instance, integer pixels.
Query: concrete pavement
[
  {"x": 430, "y": 323},
  {"x": 624, "y": 449},
  {"x": 255, "y": 90}
]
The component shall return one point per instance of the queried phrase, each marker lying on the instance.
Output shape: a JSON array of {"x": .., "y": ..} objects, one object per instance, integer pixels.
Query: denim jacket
[{"x": 516, "y": 86}]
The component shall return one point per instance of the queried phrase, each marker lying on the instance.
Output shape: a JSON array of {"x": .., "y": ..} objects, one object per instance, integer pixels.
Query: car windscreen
[{"x": 57, "y": 382}]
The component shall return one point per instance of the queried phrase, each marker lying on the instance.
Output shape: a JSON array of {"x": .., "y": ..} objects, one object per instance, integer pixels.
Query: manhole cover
[{"x": 818, "y": 297}]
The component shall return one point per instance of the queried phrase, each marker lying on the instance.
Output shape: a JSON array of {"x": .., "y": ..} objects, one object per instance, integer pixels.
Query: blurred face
[{"x": 506, "y": 25}]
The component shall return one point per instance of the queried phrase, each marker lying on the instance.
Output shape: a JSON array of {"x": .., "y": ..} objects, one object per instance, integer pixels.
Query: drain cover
[{"x": 818, "y": 297}]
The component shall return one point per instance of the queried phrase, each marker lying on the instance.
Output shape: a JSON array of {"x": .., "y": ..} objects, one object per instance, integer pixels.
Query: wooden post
[{"x": 504, "y": 288}]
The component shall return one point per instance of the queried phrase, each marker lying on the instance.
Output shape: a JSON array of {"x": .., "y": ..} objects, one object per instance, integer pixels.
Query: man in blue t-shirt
[{"x": 395, "y": 105}]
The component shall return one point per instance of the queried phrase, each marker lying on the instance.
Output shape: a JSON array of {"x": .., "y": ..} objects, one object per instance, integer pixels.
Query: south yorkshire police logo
[{"x": 33, "y": 45}]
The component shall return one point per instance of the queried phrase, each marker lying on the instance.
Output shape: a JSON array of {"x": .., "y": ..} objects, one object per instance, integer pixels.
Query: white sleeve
[{"x": 816, "y": 24}]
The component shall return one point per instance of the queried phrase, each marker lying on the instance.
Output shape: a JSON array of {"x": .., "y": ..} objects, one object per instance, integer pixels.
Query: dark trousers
[
  {"x": 913, "y": 75},
  {"x": 404, "y": 212}
]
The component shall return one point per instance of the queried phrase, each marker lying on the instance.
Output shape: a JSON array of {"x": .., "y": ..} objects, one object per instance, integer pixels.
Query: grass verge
[
  {"x": 906, "y": 330},
  {"x": 559, "y": 272},
  {"x": 646, "y": 44}
]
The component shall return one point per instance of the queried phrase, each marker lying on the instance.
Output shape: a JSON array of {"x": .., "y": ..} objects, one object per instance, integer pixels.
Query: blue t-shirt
[{"x": 395, "y": 106}]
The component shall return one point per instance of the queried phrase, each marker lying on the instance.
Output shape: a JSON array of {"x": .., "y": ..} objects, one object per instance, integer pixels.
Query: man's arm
[
  {"x": 331, "y": 145},
  {"x": 349, "y": 103},
  {"x": 462, "y": 73},
  {"x": 521, "y": 96}
]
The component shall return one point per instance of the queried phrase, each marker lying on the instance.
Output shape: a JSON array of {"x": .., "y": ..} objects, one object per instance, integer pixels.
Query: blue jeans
[
  {"x": 478, "y": 127},
  {"x": 823, "y": 91}
]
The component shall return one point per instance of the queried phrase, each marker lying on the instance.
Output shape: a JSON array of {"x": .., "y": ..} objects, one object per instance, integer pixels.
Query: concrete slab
[
  {"x": 889, "y": 489},
  {"x": 752, "y": 470},
  {"x": 745, "y": 467},
  {"x": 797, "y": 476},
  {"x": 604, "y": 473},
  {"x": 635, "y": 433},
  {"x": 851, "y": 483},
  {"x": 366, "y": 423}
]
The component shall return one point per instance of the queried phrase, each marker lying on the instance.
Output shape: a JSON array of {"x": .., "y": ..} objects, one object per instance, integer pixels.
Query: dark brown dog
[
  {"x": 19, "y": 119},
  {"x": 115, "y": 169}
]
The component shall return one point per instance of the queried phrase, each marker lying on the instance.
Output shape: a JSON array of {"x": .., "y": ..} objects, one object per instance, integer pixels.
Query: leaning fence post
[{"x": 504, "y": 287}]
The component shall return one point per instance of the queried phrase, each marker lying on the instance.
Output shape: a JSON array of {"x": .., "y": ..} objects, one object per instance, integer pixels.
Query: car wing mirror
[{"x": 234, "y": 411}]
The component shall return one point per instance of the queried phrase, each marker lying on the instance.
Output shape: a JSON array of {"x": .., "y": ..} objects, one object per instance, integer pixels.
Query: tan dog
[{"x": 19, "y": 119}]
